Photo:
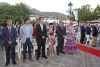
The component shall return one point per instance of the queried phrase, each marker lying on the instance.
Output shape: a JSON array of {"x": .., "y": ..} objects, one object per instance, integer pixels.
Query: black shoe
[
  {"x": 6, "y": 64},
  {"x": 14, "y": 63},
  {"x": 44, "y": 57},
  {"x": 95, "y": 46},
  {"x": 58, "y": 54},
  {"x": 62, "y": 52},
  {"x": 37, "y": 58}
]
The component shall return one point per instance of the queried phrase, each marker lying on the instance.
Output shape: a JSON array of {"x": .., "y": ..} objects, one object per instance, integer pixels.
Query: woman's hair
[
  {"x": 70, "y": 23},
  {"x": 33, "y": 24},
  {"x": 50, "y": 24}
]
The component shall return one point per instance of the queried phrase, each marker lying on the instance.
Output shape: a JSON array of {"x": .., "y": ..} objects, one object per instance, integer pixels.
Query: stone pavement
[{"x": 79, "y": 59}]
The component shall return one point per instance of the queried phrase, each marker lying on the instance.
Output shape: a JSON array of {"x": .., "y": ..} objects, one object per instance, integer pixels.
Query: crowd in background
[{"x": 86, "y": 29}]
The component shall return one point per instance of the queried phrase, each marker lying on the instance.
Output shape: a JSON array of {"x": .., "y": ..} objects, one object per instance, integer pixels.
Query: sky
[{"x": 54, "y": 5}]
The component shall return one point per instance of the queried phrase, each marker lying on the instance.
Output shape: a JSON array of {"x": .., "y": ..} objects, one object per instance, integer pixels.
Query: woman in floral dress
[
  {"x": 51, "y": 39},
  {"x": 70, "y": 46}
]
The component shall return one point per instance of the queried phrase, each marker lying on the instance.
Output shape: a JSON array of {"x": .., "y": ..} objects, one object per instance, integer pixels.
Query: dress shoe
[
  {"x": 31, "y": 59},
  {"x": 44, "y": 57},
  {"x": 14, "y": 63},
  {"x": 58, "y": 54},
  {"x": 62, "y": 52},
  {"x": 92, "y": 46},
  {"x": 37, "y": 58},
  {"x": 6, "y": 64},
  {"x": 24, "y": 60},
  {"x": 95, "y": 46}
]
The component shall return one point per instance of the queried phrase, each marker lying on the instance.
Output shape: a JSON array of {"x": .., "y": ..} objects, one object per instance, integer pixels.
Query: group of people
[
  {"x": 42, "y": 33},
  {"x": 93, "y": 31}
]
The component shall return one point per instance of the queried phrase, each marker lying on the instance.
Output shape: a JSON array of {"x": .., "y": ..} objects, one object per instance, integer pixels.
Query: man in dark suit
[
  {"x": 9, "y": 37},
  {"x": 41, "y": 38},
  {"x": 94, "y": 35},
  {"x": 61, "y": 31},
  {"x": 83, "y": 30},
  {"x": 88, "y": 29}
]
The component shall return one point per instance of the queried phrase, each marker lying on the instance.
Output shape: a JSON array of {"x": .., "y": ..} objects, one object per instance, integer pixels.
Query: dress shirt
[
  {"x": 41, "y": 26},
  {"x": 27, "y": 31},
  {"x": 8, "y": 27}
]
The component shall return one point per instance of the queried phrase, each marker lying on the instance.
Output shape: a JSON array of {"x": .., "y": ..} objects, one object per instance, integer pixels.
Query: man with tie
[
  {"x": 9, "y": 37},
  {"x": 41, "y": 38},
  {"x": 61, "y": 32},
  {"x": 26, "y": 32}
]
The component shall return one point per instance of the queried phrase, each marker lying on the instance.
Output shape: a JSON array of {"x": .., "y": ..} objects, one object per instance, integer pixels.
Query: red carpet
[{"x": 88, "y": 49}]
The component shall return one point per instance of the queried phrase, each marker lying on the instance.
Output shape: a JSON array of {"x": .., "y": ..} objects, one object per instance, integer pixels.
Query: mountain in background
[
  {"x": 56, "y": 15},
  {"x": 3, "y": 3},
  {"x": 50, "y": 14}
]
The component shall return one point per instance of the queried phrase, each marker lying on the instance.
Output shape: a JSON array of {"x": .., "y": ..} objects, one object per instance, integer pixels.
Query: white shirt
[
  {"x": 27, "y": 31},
  {"x": 8, "y": 27},
  {"x": 41, "y": 26}
]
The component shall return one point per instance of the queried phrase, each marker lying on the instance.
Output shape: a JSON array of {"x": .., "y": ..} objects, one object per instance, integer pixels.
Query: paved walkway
[{"x": 80, "y": 59}]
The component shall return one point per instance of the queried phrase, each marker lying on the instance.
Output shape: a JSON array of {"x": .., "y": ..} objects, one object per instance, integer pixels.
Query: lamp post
[{"x": 70, "y": 8}]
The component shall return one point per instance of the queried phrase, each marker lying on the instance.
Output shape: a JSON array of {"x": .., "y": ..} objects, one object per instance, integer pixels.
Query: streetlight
[{"x": 70, "y": 8}]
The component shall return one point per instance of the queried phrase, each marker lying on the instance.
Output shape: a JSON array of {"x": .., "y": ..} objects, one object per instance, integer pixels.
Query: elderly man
[{"x": 61, "y": 31}]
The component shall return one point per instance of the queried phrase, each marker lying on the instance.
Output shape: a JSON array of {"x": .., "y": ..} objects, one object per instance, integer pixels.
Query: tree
[
  {"x": 5, "y": 13},
  {"x": 85, "y": 13},
  {"x": 15, "y": 12},
  {"x": 96, "y": 12},
  {"x": 21, "y": 11}
]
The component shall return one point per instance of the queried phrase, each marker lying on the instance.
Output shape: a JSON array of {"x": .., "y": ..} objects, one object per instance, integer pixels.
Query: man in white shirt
[
  {"x": 9, "y": 42},
  {"x": 41, "y": 38}
]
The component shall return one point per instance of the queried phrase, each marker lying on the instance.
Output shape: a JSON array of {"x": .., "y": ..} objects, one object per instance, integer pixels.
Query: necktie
[
  {"x": 62, "y": 27},
  {"x": 9, "y": 32}
]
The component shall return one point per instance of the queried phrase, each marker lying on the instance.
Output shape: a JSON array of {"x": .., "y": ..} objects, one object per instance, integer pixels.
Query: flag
[
  {"x": 68, "y": 11},
  {"x": 75, "y": 12}
]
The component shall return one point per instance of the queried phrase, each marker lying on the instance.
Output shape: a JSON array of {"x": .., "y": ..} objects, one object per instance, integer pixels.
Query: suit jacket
[
  {"x": 23, "y": 33},
  {"x": 41, "y": 33},
  {"x": 94, "y": 31},
  {"x": 5, "y": 36},
  {"x": 83, "y": 30},
  {"x": 60, "y": 32},
  {"x": 88, "y": 30}
]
